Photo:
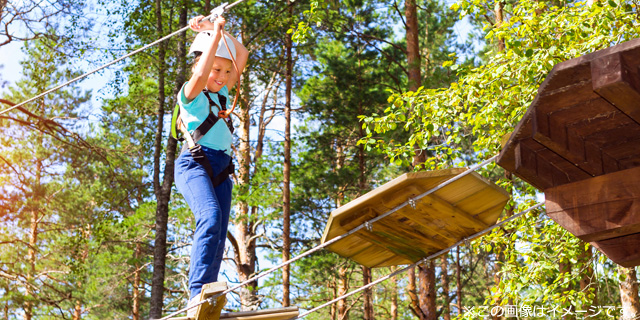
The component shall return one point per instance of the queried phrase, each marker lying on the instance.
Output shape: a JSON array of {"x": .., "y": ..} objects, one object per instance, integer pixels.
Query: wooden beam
[
  {"x": 459, "y": 212},
  {"x": 622, "y": 250},
  {"x": 430, "y": 229},
  {"x": 404, "y": 231},
  {"x": 614, "y": 80},
  {"x": 598, "y": 208},
  {"x": 389, "y": 244}
]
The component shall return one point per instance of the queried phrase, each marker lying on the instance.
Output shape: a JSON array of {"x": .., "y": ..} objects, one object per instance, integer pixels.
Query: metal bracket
[
  {"x": 368, "y": 226},
  {"x": 217, "y": 11},
  {"x": 412, "y": 203}
]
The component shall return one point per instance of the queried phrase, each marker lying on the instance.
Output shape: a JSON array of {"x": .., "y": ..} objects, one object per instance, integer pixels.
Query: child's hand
[
  {"x": 198, "y": 24},
  {"x": 218, "y": 24}
]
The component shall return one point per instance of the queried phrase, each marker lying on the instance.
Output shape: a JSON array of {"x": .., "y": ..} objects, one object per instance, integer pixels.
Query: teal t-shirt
[{"x": 195, "y": 112}]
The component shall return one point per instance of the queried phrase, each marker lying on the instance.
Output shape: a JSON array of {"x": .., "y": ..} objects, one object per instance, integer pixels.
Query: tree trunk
[
  {"x": 286, "y": 192},
  {"x": 444, "y": 277},
  {"x": 414, "y": 301},
  {"x": 496, "y": 279},
  {"x": 245, "y": 255},
  {"x": 368, "y": 313},
  {"x": 413, "y": 45},
  {"x": 246, "y": 249},
  {"x": 163, "y": 191},
  {"x": 33, "y": 235},
  {"x": 136, "y": 283},
  {"x": 343, "y": 288},
  {"x": 77, "y": 311},
  {"x": 458, "y": 281},
  {"x": 333, "y": 312},
  {"x": 427, "y": 274},
  {"x": 500, "y": 258},
  {"x": 368, "y": 301},
  {"x": 394, "y": 296},
  {"x": 565, "y": 268},
  {"x": 586, "y": 276},
  {"x": 629, "y": 293},
  {"x": 424, "y": 307},
  {"x": 162, "y": 216},
  {"x": 33, "y": 239},
  {"x": 499, "y": 12}
]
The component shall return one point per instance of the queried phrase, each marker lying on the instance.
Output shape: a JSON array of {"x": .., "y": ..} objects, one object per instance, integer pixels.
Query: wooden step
[{"x": 267, "y": 314}]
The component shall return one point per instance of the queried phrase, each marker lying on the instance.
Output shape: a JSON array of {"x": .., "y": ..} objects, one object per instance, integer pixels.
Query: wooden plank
[
  {"x": 600, "y": 221},
  {"x": 507, "y": 156},
  {"x": 267, "y": 314},
  {"x": 630, "y": 162},
  {"x": 492, "y": 213},
  {"x": 617, "y": 82},
  {"x": 376, "y": 256},
  {"x": 565, "y": 143},
  {"x": 625, "y": 149},
  {"x": 622, "y": 250},
  {"x": 456, "y": 213},
  {"x": 412, "y": 232},
  {"x": 464, "y": 188},
  {"x": 566, "y": 98},
  {"x": 527, "y": 166},
  {"x": 579, "y": 68},
  {"x": 403, "y": 231},
  {"x": 392, "y": 243},
  {"x": 580, "y": 125},
  {"x": 598, "y": 208},
  {"x": 389, "y": 191},
  {"x": 429, "y": 226},
  {"x": 350, "y": 222},
  {"x": 350, "y": 246}
]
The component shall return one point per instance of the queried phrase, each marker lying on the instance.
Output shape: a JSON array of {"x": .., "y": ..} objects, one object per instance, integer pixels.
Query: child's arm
[
  {"x": 242, "y": 55},
  {"x": 201, "y": 71}
]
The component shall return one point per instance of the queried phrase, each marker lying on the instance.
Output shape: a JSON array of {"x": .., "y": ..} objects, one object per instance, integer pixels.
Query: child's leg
[
  {"x": 223, "y": 193},
  {"x": 195, "y": 185}
]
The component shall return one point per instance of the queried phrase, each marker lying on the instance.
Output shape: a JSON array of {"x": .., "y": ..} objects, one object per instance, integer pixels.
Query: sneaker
[{"x": 191, "y": 313}]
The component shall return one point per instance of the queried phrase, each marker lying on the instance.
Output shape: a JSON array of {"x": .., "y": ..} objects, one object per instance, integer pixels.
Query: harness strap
[
  {"x": 196, "y": 150},
  {"x": 223, "y": 104}
]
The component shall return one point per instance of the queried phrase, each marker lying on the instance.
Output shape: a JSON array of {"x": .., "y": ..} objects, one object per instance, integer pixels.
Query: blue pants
[{"x": 211, "y": 207}]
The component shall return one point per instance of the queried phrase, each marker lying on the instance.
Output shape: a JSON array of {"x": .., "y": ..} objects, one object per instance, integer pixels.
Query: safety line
[
  {"x": 110, "y": 63},
  {"x": 366, "y": 224},
  {"x": 423, "y": 260}
]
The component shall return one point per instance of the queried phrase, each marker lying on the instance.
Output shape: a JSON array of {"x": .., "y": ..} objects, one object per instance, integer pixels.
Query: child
[{"x": 202, "y": 175}]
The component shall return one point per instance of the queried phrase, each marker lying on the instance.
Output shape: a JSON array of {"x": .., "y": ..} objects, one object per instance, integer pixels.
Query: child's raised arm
[{"x": 201, "y": 71}]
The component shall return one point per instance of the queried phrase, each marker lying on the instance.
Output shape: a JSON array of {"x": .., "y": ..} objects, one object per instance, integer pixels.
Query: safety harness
[{"x": 192, "y": 139}]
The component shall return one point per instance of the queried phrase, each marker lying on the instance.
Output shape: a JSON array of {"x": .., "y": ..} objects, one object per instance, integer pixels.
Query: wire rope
[
  {"x": 109, "y": 63},
  {"x": 443, "y": 251},
  {"x": 409, "y": 202}
]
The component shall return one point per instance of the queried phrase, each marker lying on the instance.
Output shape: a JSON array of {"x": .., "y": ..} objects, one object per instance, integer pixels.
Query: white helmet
[{"x": 203, "y": 40}]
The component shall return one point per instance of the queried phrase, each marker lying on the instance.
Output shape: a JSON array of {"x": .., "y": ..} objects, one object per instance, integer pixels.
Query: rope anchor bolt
[{"x": 412, "y": 203}]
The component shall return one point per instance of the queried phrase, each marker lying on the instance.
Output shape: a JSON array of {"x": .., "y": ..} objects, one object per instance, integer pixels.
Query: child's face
[{"x": 219, "y": 74}]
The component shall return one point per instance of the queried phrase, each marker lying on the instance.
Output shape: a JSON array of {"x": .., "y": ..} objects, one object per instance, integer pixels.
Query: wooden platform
[
  {"x": 438, "y": 221},
  {"x": 267, "y": 314},
  {"x": 584, "y": 123}
]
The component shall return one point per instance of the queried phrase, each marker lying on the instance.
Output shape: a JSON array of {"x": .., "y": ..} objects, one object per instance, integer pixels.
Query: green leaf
[{"x": 528, "y": 53}]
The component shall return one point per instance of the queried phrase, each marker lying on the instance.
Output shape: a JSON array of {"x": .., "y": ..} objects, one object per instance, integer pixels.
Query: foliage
[{"x": 467, "y": 120}]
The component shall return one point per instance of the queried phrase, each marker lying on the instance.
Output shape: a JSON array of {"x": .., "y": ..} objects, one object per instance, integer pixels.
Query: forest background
[{"x": 338, "y": 98}]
